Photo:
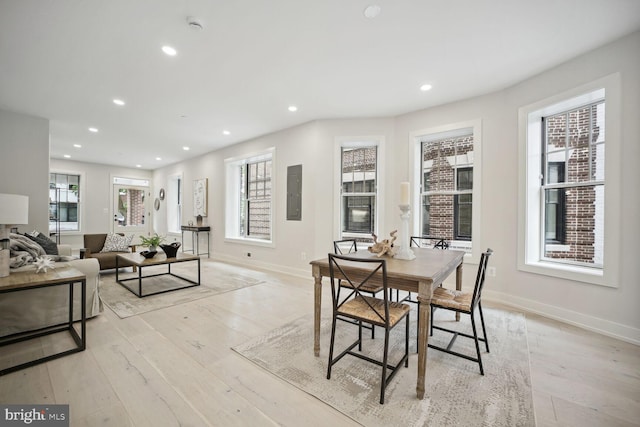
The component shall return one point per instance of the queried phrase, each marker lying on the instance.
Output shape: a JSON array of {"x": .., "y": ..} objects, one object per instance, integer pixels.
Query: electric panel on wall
[{"x": 294, "y": 193}]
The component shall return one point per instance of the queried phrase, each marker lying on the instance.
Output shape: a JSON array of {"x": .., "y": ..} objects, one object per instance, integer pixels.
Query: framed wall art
[{"x": 200, "y": 189}]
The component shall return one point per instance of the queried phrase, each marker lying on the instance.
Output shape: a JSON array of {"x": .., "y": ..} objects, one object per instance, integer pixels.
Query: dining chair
[
  {"x": 345, "y": 247},
  {"x": 423, "y": 242},
  {"x": 465, "y": 303},
  {"x": 428, "y": 242},
  {"x": 365, "y": 309}
]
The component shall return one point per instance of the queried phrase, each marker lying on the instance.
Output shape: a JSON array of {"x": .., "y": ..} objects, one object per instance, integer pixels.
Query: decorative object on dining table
[
  {"x": 384, "y": 247},
  {"x": 14, "y": 209},
  {"x": 42, "y": 264},
  {"x": 405, "y": 251},
  {"x": 148, "y": 254},
  {"x": 171, "y": 249},
  {"x": 152, "y": 242},
  {"x": 199, "y": 220}
]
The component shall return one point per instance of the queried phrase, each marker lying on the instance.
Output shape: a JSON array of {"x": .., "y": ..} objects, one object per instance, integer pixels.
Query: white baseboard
[
  {"x": 252, "y": 263},
  {"x": 591, "y": 323},
  {"x": 581, "y": 320}
]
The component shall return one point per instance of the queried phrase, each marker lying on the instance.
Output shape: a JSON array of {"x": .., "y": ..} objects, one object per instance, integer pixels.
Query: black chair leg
[
  {"x": 406, "y": 343},
  {"x": 484, "y": 331},
  {"x": 383, "y": 382},
  {"x": 360, "y": 335},
  {"x": 333, "y": 336},
  {"x": 431, "y": 323},
  {"x": 475, "y": 338}
]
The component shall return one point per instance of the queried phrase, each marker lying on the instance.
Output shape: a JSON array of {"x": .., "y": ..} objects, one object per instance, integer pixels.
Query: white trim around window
[
  {"x": 233, "y": 188},
  {"x": 174, "y": 202},
  {"x": 529, "y": 190},
  {"x": 83, "y": 195},
  {"x": 358, "y": 142},
  {"x": 415, "y": 154}
]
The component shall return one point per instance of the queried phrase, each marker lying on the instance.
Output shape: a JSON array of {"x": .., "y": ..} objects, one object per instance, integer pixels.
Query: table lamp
[{"x": 14, "y": 209}]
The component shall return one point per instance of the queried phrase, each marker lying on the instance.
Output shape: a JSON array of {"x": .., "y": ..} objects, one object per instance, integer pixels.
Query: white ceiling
[{"x": 66, "y": 60}]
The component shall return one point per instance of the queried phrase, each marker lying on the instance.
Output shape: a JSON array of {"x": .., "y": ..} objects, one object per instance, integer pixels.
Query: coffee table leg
[
  {"x": 140, "y": 281},
  {"x": 198, "y": 271}
]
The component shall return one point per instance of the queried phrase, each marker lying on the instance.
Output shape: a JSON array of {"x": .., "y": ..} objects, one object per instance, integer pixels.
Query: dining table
[{"x": 420, "y": 276}]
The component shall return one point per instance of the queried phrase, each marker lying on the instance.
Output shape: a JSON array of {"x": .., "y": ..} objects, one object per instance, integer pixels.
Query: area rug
[
  {"x": 456, "y": 393},
  {"x": 216, "y": 278}
]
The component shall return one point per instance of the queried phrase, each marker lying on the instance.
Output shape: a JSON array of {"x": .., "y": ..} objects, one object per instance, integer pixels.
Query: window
[
  {"x": 174, "y": 203},
  {"x": 255, "y": 211},
  {"x": 572, "y": 159},
  {"x": 250, "y": 191},
  {"x": 64, "y": 202},
  {"x": 565, "y": 205},
  {"x": 358, "y": 185},
  {"x": 447, "y": 186}
]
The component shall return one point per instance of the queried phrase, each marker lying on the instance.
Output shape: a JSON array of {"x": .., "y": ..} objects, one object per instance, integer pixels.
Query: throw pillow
[
  {"x": 117, "y": 243},
  {"x": 50, "y": 247}
]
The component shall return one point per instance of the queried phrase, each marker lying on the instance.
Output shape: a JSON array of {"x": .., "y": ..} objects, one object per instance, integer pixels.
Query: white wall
[
  {"x": 614, "y": 311},
  {"x": 96, "y": 196},
  {"x": 24, "y": 164}
]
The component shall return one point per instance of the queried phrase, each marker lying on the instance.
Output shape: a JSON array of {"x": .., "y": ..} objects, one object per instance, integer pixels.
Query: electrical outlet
[
  {"x": 491, "y": 271},
  {"x": 303, "y": 256}
]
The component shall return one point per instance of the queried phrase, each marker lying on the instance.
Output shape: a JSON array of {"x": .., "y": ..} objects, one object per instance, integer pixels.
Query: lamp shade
[{"x": 14, "y": 209}]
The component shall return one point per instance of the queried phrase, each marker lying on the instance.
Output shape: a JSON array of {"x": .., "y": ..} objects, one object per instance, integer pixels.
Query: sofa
[
  {"x": 95, "y": 243},
  {"x": 38, "y": 308}
]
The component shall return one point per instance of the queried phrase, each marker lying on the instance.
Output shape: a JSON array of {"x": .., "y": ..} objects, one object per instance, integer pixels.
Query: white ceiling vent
[{"x": 194, "y": 23}]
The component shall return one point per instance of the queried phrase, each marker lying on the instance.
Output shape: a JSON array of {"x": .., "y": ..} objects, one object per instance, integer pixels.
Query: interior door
[{"x": 131, "y": 209}]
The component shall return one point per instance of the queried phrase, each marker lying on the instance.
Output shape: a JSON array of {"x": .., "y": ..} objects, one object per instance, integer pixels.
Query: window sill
[
  {"x": 251, "y": 242},
  {"x": 593, "y": 276},
  {"x": 557, "y": 248}
]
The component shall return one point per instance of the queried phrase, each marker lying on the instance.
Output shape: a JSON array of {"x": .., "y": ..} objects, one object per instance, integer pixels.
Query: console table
[
  {"x": 195, "y": 238},
  {"x": 26, "y": 280}
]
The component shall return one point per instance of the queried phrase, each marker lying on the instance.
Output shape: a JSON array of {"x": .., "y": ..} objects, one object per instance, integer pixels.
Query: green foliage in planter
[{"x": 154, "y": 240}]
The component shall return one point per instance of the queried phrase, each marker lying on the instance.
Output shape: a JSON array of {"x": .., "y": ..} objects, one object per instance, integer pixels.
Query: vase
[{"x": 171, "y": 249}]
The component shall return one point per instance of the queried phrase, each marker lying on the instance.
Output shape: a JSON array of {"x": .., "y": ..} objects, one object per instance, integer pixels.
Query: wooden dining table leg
[
  {"x": 424, "y": 296},
  {"x": 458, "y": 285},
  {"x": 317, "y": 304}
]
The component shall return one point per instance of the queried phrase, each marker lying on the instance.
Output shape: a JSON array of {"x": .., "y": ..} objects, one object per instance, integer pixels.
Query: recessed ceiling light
[
  {"x": 158, "y": 158},
  {"x": 185, "y": 148},
  {"x": 169, "y": 50},
  {"x": 94, "y": 130},
  {"x": 138, "y": 166},
  {"x": 292, "y": 108},
  {"x": 66, "y": 156},
  {"x": 119, "y": 102},
  {"x": 425, "y": 87},
  {"x": 372, "y": 11},
  {"x": 77, "y": 145},
  {"x": 226, "y": 132}
]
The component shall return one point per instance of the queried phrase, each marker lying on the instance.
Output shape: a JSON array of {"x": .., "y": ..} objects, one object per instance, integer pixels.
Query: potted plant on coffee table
[{"x": 152, "y": 242}]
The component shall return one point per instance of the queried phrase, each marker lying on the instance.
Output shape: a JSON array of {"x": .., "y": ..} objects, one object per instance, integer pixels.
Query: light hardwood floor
[{"x": 175, "y": 367}]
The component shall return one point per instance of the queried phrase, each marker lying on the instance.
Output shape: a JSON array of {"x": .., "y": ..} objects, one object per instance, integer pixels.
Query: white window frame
[
  {"x": 415, "y": 159},
  {"x": 174, "y": 207},
  {"x": 233, "y": 186},
  {"x": 530, "y": 206},
  {"x": 341, "y": 142},
  {"x": 82, "y": 191}
]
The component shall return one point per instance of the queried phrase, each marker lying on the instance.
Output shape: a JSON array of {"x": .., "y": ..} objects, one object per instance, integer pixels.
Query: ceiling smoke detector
[{"x": 194, "y": 23}]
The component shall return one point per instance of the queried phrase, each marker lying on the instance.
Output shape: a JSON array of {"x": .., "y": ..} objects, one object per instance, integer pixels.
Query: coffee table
[{"x": 137, "y": 260}]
